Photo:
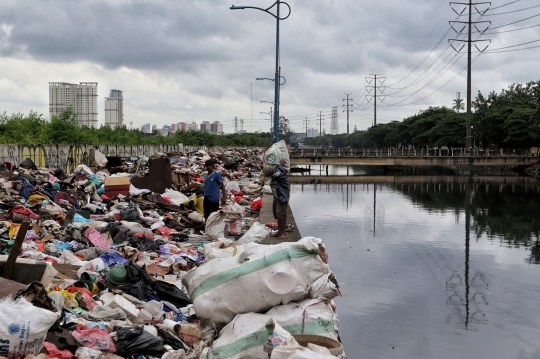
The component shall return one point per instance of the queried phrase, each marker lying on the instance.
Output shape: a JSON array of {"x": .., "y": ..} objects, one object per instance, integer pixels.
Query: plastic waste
[
  {"x": 94, "y": 338},
  {"x": 89, "y": 353},
  {"x": 137, "y": 340},
  {"x": 54, "y": 352}
]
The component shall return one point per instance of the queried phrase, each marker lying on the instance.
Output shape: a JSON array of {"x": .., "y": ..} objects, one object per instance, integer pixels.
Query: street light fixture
[
  {"x": 272, "y": 102},
  {"x": 278, "y": 68},
  {"x": 269, "y": 113}
]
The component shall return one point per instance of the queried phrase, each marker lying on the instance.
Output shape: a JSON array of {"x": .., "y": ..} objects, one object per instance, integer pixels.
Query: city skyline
[{"x": 182, "y": 70}]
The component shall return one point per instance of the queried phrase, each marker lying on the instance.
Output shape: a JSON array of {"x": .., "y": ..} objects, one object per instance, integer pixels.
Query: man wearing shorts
[
  {"x": 280, "y": 189},
  {"x": 213, "y": 182}
]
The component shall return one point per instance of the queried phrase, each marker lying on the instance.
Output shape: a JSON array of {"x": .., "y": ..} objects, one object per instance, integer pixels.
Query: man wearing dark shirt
[{"x": 280, "y": 189}]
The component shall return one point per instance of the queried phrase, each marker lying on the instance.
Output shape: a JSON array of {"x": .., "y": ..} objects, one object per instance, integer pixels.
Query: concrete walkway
[{"x": 267, "y": 216}]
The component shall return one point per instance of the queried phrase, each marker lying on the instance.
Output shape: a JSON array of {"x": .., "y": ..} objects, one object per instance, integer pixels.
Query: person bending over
[{"x": 280, "y": 189}]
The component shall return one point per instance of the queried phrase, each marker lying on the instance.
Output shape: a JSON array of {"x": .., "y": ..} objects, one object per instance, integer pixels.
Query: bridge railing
[{"x": 407, "y": 152}]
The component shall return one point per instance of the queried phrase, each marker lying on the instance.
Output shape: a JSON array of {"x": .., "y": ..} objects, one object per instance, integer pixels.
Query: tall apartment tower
[
  {"x": 114, "y": 109},
  {"x": 81, "y": 97}
]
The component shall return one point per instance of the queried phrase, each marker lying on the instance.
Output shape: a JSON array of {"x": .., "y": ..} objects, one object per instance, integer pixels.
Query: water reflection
[{"x": 436, "y": 266}]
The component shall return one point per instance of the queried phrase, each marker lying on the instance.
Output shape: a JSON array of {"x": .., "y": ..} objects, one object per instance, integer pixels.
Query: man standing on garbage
[
  {"x": 280, "y": 189},
  {"x": 212, "y": 184}
]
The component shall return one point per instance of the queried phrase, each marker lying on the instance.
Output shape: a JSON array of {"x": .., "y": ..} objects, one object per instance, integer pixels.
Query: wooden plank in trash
[{"x": 12, "y": 258}]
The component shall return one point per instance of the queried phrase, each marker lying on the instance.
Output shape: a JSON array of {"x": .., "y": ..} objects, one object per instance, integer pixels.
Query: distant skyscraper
[
  {"x": 145, "y": 128},
  {"x": 81, "y": 97},
  {"x": 205, "y": 126},
  {"x": 174, "y": 127},
  {"x": 114, "y": 109},
  {"x": 216, "y": 128},
  {"x": 193, "y": 126},
  {"x": 182, "y": 126},
  {"x": 154, "y": 128}
]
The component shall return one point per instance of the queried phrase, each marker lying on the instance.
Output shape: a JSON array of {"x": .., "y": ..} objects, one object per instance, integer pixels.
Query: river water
[{"x": 430, "y": 266}]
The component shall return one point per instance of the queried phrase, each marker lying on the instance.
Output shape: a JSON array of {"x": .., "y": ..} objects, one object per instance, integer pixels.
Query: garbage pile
[{"x": 118, "y": 261}]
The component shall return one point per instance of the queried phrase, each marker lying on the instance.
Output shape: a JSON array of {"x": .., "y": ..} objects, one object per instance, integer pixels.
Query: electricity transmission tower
[
  {"x": 236, "y": 125},
  {"x": 334, "y": 125},
  {"x": 348, "y": 105},
  {"x": 373, "y": 80},
  {"x": 468, "y": 24}
]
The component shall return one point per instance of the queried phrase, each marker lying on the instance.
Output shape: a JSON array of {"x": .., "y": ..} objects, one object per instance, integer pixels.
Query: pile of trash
[{"x": 116, "y": 260}]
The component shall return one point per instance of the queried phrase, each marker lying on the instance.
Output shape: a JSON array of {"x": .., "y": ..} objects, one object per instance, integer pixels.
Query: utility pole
[
  {"x": 347, "y": 106},
  {"x": 306, "y": 123},
  {"x": 374, "y": 88},
  {"x": 320, "y": 123},
  {"x": 468, "y": 24}
]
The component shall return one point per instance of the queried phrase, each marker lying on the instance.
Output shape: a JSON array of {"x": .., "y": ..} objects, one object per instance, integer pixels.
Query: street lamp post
[{"x": 278, "y": 69}]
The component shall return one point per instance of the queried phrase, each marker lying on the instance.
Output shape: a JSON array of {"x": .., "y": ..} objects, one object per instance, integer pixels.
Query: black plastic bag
[
  {"x": 131, "y": 214},
  {"x": 171, "y": 293},
  {"x": 172, "y": 340},
  {"x": 137, "y": 341}
]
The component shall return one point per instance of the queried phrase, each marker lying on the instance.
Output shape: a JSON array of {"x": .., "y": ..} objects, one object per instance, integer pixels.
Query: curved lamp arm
[{"x": 265, "y": 10}]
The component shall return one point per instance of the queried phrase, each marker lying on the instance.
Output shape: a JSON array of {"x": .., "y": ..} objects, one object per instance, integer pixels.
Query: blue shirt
[{"x": 212, "y": 185}]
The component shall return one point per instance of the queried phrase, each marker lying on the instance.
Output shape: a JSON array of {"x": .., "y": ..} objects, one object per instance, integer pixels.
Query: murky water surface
[{"x": 431, "y": 267}]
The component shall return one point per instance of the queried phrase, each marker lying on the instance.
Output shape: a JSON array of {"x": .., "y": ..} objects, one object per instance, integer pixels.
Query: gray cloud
[{"x": 208, "y": 56}]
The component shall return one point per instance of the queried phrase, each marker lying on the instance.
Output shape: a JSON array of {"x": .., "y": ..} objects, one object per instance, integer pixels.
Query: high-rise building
[
  {"x": 182, "y": 126},
  {"x": 82, "y": 98},
  {"x": 205, "y": 126},
  {"x": 114, "y": 109},
  {"x": 174, "y": 127},
  {"x": 145, "y": 128},
  {"x": 193, "y": 126},
  {"x": 154, "y": 128},
  {"x": 216, "y": 128}
]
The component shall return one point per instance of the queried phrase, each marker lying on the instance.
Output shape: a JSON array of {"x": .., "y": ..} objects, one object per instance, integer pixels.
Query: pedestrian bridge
[{"x": 413, "y": 157}]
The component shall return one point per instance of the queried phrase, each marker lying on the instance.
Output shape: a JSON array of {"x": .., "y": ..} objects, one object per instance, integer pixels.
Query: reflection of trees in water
[{"x": 509, "y": 213}]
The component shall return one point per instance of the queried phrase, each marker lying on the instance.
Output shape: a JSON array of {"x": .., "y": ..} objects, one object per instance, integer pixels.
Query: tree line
[
  {"x": 63, "y": 128},
  {"x": 510, "y": 119}
]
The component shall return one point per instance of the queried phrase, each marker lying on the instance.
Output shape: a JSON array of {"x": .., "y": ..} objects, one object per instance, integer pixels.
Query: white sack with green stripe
[
  {"x": 244, "y": 337},
  {"x": 260, "y": 278}
]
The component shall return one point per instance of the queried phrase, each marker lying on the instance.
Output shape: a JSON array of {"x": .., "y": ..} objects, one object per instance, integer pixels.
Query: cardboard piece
[{"x": 96, "y": 238}]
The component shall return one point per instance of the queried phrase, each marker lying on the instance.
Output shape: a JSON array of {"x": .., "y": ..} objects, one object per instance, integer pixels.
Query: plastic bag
[
  {"x": 23, "y": 327},
  {"x": 88, "y": 353},
  {"x": 175, "y": 197},
  {"x": 54, "y": 352},
  {"x": 94, "y": 338},
  {"x": 232, "y": 227},
  {"x": 137, "y": 340},
  {"x": 256, "y": 205},
  {"x": 256, "y": 234},
  {"x": 232, "y": 186}
]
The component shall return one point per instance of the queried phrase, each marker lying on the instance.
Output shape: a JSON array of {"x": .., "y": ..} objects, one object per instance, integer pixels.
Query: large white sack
[
  {"x": 213, "y": 252},
  {"x": 176, "y": 197},
  {"x": 256, "y": 234},
  {"x": 23, "y": 327},
  {"x": 244, "y": 337},
  {"x": 260, "y": 278},
  {"x": 277, "y": 152},
  {"x": 215, "y": 226},
  {"x": 290, "y": 349}
]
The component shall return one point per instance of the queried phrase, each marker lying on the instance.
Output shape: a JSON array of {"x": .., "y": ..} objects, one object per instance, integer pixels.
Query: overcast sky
[{"x": 197, "y": 60}]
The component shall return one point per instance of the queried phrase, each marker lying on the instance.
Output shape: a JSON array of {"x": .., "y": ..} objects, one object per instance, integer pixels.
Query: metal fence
[{"x": 392, "y": 152}]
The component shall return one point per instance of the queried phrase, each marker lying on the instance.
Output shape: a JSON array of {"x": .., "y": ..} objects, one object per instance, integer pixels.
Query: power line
[
  {"x": 525, "y": 48},
  {"x": 513, "y": 11},
  {"x": 515, "y": 22},
  {"x": 498, "y": 7},
  {"x": 501, "y": 32},
  {"x": 508, "y": 47}
]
